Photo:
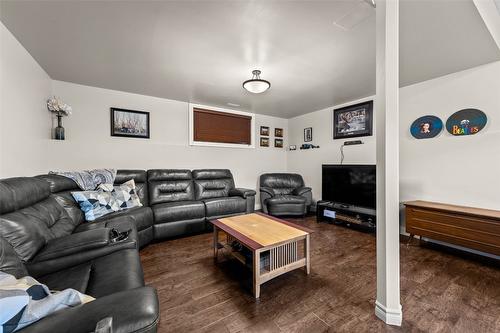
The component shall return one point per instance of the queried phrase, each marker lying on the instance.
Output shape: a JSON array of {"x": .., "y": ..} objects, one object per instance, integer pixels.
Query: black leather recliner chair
[
  {"x": 39, "y": 238},
  {"x": 284, "y": 194}
]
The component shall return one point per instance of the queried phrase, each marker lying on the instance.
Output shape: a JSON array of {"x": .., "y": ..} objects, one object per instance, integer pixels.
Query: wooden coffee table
[{"x": 276, "y": 246}]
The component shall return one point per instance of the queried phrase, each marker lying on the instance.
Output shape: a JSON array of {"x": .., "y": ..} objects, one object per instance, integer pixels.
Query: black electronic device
[
  {"x": 353, "y": 142},
  {"x": 350, "y": 185},
  {"x": 331, "y": 212},
  {"x": 349, "y": 194},
  {"x": 117, "y": 236},
  {"x": 308, "y": 146}
]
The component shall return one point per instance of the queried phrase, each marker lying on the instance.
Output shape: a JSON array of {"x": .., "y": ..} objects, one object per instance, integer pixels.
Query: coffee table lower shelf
[{"x": 278, "y": 258}]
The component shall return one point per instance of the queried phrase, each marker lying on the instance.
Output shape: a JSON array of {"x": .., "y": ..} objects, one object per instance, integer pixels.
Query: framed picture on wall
[
  {"x": 129, "y": 123},
  {"x": 264, "y": 142},
  {"x": 278, "y": 143},
  {"x": 278, "y": 132},
  {"x": 308, "y": 134},
  {"x": 264, "y": 130},
  {"x": 353, "y": 121}
]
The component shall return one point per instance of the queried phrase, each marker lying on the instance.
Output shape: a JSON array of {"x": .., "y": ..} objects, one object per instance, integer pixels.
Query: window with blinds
[{"x": 221, "y": 127}]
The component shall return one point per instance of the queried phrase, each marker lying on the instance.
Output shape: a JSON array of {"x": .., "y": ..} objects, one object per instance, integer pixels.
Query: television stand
[{"x": 339, "y": 213}]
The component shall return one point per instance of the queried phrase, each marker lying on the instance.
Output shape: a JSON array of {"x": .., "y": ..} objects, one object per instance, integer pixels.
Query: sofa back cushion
[
  {"x": 61, "y": 188},
  {"x": 30, "y": 216},
  {"x": 281, "y": 183},
  {"x": 9, "y": 261},
  {"x": 141, "y": 182},
  {"x": 169, "y": 185},
  {"x": 212, "y": 183}
]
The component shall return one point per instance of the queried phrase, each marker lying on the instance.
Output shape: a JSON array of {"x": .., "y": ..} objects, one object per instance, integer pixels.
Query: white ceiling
[{"x": 202, "y": 51}]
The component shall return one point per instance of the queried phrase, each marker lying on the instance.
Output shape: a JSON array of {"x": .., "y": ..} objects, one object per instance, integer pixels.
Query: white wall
[
  {"x": 308, "y": 162},
  {"x": 458, "y": 170},
  {"x": 88, "y": 142},
  {"x": 24, "y": 120}
]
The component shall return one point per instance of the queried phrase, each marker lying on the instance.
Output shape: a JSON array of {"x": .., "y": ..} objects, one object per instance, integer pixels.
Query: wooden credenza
[{"x": 469, "y": 227}]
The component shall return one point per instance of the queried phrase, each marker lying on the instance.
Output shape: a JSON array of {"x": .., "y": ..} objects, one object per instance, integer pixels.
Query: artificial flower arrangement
[
  {"x": 61, "y": 109},
  {"x": 54, "y": 104}
]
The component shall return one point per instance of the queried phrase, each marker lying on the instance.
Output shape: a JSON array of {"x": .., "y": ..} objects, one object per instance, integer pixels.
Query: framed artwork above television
[{"x": 353, "y": 121}]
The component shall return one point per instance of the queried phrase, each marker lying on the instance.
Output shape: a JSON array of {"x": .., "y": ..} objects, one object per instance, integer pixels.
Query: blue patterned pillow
[
  {"x": 95, "y": 203},
  {"x": 125, "y": 194}
]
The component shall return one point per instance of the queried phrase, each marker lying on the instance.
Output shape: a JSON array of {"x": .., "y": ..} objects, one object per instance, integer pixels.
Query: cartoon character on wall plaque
[
  {"x": 466, "y": 122},
  {"x": 426, "y": 127}
]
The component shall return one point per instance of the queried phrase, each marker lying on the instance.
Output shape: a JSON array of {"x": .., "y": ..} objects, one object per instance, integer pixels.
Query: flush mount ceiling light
[{"x": 256, "y": 85}]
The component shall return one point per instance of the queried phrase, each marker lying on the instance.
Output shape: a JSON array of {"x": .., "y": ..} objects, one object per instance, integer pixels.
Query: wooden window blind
[{"x": 221, "y": 127}]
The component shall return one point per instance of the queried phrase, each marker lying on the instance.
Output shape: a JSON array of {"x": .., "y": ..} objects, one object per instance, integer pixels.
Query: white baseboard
[{"x": 389, "y": 316}]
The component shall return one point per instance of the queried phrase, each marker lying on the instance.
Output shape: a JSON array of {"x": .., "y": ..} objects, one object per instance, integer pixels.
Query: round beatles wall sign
[
  {"x": 466, "y": 122},
  {"x": 426, "y": 127}
]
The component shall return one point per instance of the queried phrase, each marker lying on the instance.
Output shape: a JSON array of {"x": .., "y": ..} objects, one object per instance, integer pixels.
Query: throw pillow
[
  {"x": 25, "y": 301},
  {"x": 125, "y": 194},
  {"x": 96, "y": 203},
  {"x": 88, "y": 180}
]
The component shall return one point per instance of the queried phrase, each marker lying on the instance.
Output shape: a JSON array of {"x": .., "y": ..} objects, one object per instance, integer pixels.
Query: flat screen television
[{"x": 351, "y": 185}]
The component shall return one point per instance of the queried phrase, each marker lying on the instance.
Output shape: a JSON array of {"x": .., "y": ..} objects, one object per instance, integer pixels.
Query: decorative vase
[{"x": 59, "y": 132}]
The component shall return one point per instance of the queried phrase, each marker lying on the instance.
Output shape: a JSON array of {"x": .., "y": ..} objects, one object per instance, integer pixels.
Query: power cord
[{"x": 342, "y": 154}]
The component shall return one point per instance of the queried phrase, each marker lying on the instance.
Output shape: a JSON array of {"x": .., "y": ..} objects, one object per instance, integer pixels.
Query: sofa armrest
[
  {"x": 267, "y": 190},
  {"x": 134, "y": 310},
  {"x": 42, "y": 265},
  {"x": 74, "y": 243},
  {"x": 301, "y": 190},
  {"x": 241, "y": 192}
]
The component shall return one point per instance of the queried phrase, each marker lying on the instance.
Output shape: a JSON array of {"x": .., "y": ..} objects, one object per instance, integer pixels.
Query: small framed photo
[
  {"x": 278, "y": 132},
  {"x": 264, "y": 142},
  {"x": 353, "y": 121},
  {"x": 278, "y": 143},
  {"x": 293, "y": 147},
  {"x": 264, "y": 130},
  {"x": 129, "y": 123},
  {"x": 308, "y": 134}
]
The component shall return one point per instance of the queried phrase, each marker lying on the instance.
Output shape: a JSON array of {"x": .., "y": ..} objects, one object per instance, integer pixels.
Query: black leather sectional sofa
[
  {"x": 175, "y": 202},
  {"x": 43, "y": 234}
]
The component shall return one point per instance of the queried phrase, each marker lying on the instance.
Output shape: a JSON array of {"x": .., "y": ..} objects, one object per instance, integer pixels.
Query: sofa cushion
[
  {"x": 141, "y": 182},
  {"x": 29, "y": 229},
  {"x": 178, "y": 211},
  {"x": 20, "y": 192},
  {"x": 9, "y": 261},
  {"x": 281, "y": 183},
  {"x": 286, "y": 205},
  {"x": 285, "y": 199},
  {"x": 115, "y": 272},
  {"x": 179, "y": 228},
  {"x": 212, "y": 183},
  {"x": 61, "y": 188},
  {"x": 134, "y": 310},
  {"x": 142, "y": 217},
  {"x": 59, "y": 183},
  {"x": 225, "y": 206},
  {"x": 169, "y": 185}
]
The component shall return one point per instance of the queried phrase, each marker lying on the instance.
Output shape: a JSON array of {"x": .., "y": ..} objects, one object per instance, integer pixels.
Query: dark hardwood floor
[{"x": 440, "y": 291}]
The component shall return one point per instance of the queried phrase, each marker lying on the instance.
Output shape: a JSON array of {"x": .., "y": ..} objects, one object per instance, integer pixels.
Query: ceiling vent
[{"x": 360, "y": 12}]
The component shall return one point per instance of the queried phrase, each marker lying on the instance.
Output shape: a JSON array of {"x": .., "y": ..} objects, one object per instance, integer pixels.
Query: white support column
[{"x": 387, "y": 305}]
